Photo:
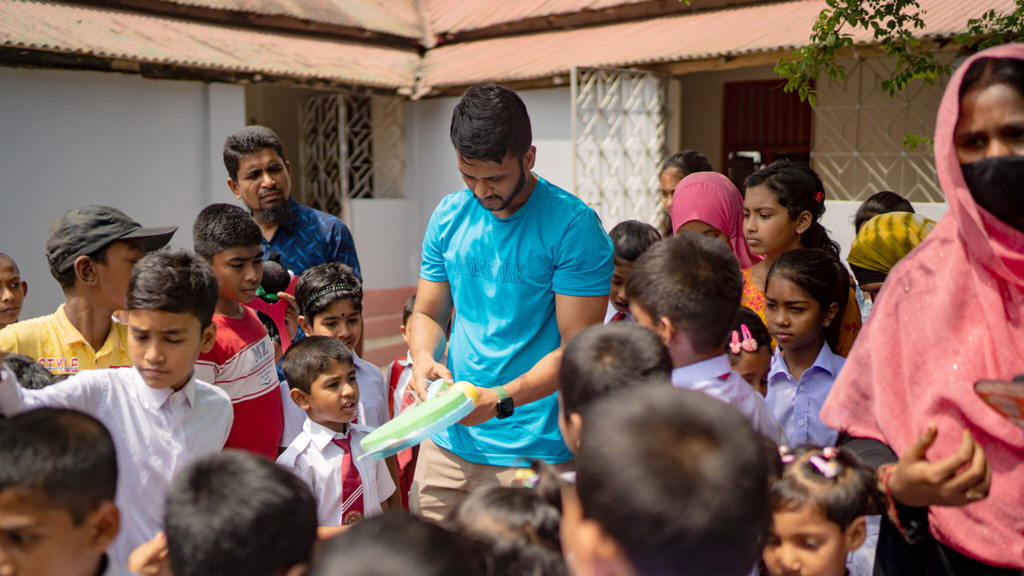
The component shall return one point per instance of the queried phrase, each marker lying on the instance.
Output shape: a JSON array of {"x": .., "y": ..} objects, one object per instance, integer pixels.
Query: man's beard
[
  {"x": 275, "y": 214},
  {"x": 519, "y": 188}
]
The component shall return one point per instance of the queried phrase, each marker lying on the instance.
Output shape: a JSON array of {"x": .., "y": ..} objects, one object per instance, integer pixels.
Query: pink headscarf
[
  {"x": 713, "y": 199},
  {"x": 951, "y": 314}
]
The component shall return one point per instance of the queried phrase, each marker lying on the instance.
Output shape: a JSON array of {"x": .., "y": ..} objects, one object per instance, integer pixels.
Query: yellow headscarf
[{"x": 885, "y": 239}]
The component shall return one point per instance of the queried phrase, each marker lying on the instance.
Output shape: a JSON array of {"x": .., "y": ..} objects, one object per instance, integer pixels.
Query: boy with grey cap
[{"x": 91, "y": 251}]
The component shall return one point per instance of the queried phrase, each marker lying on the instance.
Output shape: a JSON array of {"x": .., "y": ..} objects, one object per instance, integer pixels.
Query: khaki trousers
[{"x": 442, "y": 478}]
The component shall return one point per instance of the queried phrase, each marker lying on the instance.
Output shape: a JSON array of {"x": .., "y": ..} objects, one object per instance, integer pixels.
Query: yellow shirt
[{"x": 56, "y": 344}]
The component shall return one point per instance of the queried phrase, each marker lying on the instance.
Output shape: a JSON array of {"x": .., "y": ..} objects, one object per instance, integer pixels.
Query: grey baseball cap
[{"x": 83, "y": 231}]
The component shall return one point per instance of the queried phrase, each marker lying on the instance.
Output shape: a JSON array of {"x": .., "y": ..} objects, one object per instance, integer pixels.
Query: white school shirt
[
  {"x": 716, "y": 378},
  {"x": 373, "y": 399},
  {"x": 315, "y": 458},
  {"x": 156, "y": 433}
]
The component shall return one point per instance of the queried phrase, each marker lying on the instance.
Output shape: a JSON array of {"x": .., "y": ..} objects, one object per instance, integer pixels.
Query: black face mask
[{"x": 997, "y": 184}]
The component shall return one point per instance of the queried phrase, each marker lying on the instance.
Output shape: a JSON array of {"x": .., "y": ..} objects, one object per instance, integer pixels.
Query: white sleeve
[
  {"x": 84, "y": 392},
  {"x": 385, "y": 486}
]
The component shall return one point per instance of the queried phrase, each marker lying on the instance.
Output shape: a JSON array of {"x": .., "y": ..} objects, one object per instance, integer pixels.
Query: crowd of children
[{"x": 716, "y": 424}]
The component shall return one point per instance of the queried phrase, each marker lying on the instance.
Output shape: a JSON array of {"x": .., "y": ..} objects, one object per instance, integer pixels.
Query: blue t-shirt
[{"x": 504, "y": 274}]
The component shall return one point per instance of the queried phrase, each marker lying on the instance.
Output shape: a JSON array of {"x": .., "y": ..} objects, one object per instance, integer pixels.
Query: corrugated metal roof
[
  {"x": 68, "y": 29},
  {"x": 728, "y": 32},
  {"x": 453, "y": 16},
  {"x": 397, "y": 17}
]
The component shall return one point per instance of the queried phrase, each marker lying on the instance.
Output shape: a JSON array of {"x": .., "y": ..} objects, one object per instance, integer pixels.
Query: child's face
[
  {"x": 794, "y": 318},
  {"x": 12, "y": 292},
  {"x": 618, "y": 294},
  {"x": 112, "y": 277},
  {"x": 164, "y": 346},
  {"x": 340, "y": 320},
  {"x": 667, "y": 182},
  {"x": 238, "y": 271},
  {"x": 333, "y": 397},
  {"x": 753, "y": 367},
  {"x": 803, "y": 542},
  {"x": 766, "y": 223},
  {"x": 39, "y": 540}
]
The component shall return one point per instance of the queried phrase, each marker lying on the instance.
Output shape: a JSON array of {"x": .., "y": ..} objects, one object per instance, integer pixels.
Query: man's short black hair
[
  {"x": 678, "y": 479},
  {"x": 604, "y": 358},
  {"x": 410, "y": 305},
  {"x": 323, "y": 285},
  {"x": 249, "y": 140},
  {"x": 238, "y": 514},
  {"x": 30, "y": 375},
  {"x": 631, "y": 238},
  {"x": 692, "y": 280},
  {"x": 220, "y": 227},
  {"x": 174, "y": 281},
  {"x": 64, "y": 457},
  {"x": 310, "y": 357},
  {"x": 396, "y": 543},
  {"x": 489, "y": 123}
]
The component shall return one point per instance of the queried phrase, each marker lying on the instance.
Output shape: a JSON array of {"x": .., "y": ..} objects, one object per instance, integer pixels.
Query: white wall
[{"x": 71, "y": 138}]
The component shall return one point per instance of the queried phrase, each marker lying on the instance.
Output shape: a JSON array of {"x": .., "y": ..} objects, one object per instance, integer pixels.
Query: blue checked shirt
[
  {"x": 797, "y": 404},
  {"x": 312, "y": 237}
]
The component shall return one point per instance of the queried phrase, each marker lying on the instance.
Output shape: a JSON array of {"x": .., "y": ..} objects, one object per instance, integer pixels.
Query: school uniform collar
[
  {"x": 703, "y": 371},
  {"x": 157, "y": 397},
  {"x": 322, "y": 436},
  {"x": 825, "y": 362}
]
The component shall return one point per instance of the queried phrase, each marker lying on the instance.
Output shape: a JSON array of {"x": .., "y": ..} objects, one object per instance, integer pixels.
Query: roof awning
[{"x": 158, "y": 40}]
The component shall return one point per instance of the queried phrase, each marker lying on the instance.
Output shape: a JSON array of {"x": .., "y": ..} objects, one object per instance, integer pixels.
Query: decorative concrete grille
[
  {"x": 619, "y": 125},
  {"x": 858, "y": 135},
  {"x": 352, "y": 147}
]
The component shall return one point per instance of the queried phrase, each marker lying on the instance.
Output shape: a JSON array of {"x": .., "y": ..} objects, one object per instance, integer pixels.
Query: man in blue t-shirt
[{"x": 525, "y": 265}]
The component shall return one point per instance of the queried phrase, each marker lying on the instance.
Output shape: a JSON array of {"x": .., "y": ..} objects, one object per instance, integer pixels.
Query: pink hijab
[
  {"x": 951, "y": 313},
  {"x": 713, "y": 199}
]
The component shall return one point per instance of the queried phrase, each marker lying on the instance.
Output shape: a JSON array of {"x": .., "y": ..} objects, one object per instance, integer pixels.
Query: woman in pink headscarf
[
  {"x": 951, "y": 314},
  {"x": 708, "y": 203}
]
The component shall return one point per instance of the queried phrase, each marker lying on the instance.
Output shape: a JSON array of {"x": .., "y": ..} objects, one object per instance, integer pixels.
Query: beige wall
[{"x": 701, "y": 108}]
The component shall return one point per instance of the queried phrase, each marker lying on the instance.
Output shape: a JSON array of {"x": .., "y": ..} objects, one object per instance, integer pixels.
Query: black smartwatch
[{"x": 506, "y": 406}]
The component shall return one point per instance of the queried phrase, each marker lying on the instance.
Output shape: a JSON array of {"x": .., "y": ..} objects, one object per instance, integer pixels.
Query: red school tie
[
  {"x": 619, "y": 317},
  {"x": 351, "y": 485}
]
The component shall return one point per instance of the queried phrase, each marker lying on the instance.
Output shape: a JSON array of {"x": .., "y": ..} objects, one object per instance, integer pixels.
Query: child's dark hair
[
  {"x": 310, "y": 357},
  {"x": 490, "y": 122},
  {"x": 650, "y": 453},
  {"x": 397, "y": 543},
  {"x": 174, "y": 281},
  {"x": 325, "y": 284},
  {"x": 603, "y": 358},
  {"x": 275, "y": 276},
  {"x": 410, "y": 305},
  {"x": 249, "y": 140},
  {"x": 831, "y": 479},
  {"x": 687, "y": 162},
  {"x": 693, "y": 281},
  {"x": 238, "y": 513},
  {"x": 631, "y": 238},
  {"x": 821, "y": 275},
  {"x": 219, "y": 227},
  {"x": 517, "y": 528},
  {"x": 883, "y": 202},
  {"x": 759, "y": 332},
  {"x": 798, "y": 189},
  {"x": 30, "y": 375},
  {"x": 64, "y": 455}
]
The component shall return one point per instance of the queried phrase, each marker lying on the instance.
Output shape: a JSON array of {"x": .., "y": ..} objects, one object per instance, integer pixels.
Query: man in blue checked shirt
[{"x": 259, "y": 175}]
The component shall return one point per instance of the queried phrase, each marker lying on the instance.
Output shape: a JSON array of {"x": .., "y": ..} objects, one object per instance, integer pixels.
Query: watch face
[{"x": 505, "y": 408}]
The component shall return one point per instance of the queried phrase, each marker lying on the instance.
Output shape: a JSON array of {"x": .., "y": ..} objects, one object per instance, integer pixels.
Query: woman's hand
[{"x": 957, "y": 480}]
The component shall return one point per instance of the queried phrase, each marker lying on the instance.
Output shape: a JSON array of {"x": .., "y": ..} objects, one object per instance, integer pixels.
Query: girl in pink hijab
[
  {"x": 952, "y": 315},
  {"x": 708, "y": 203}
]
